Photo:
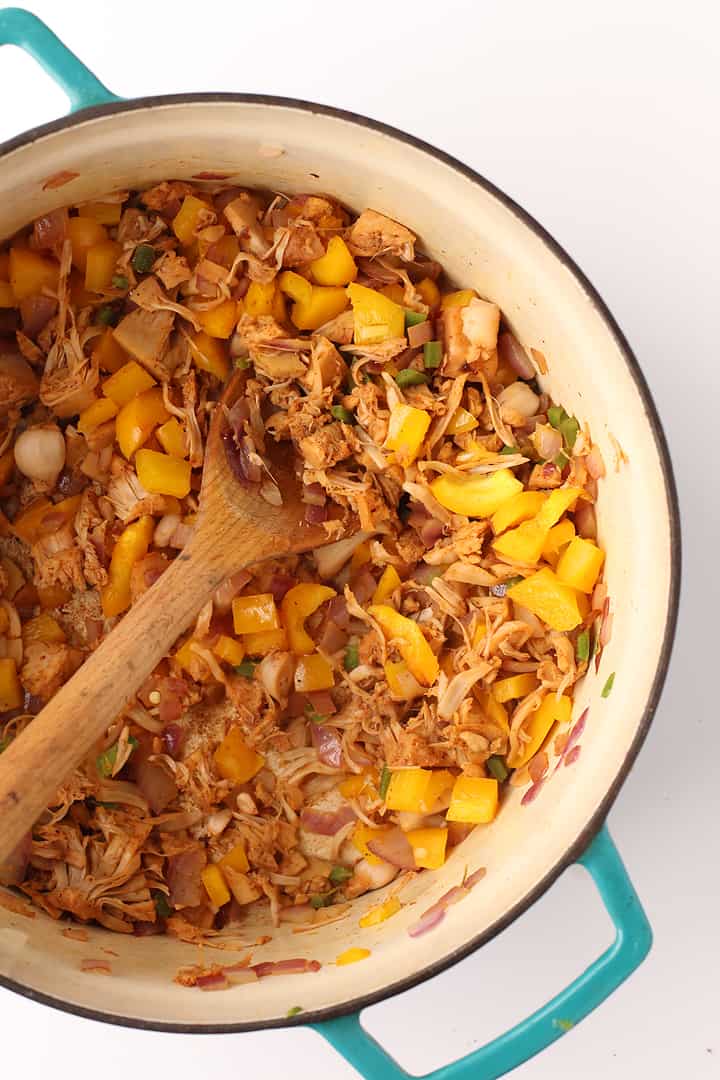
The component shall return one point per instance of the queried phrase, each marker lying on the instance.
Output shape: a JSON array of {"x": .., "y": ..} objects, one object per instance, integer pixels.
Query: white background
[{"x": 601, "y": 119}]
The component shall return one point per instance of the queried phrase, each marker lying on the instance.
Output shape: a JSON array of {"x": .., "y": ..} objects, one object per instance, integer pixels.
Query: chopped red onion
[
  {"x": 224, "y": 596},
  {"x": 327, "y": 743},
  {"x": 314, "y": 495},
  {"x": 315, "y": 515},
  {"x": 595, "y": 464},
  {"x": 426, "y": 922},
  {"x": 285, "y": 967},
  {"x": 431, "y": 531},
  {"x": 183, "y": 878},
  {"x": 511, "y": 352},
  {"x": 172, "y": 738},
  {"x": 363, "y": 585},
  {"x": 472, "y": 879},
  {"x": 216, "y": 981},
  {"x": 326, "y": 823},
  {"x": 420, "y": 333},
  {"x": 393, "y": 846},
  {"x": 585, "y": 521},
  {"x": 338, "y": 612},
  {"x": 331, "y": 638},
  {"x": 279, "y": 584}
]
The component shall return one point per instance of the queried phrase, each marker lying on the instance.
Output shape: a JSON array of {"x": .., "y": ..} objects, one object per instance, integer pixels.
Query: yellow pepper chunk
[
  {"x": 580, "y": 564},
  {"x": 325, "y": 303},
  {"x": 548, "y": 598},
  {"x": 229, "y": 650},
  {"x": 362, "y": 835},
  {"x": 474, "y": 800},
  {"x": 185, "y": 222},
  {"x": 236, "y": 859},
  {"x": 402, "y": 684},
  {"x": 559, "y": 536},
  {"x": 31, "y": 522},
  {"x": 220, "y": 321},
  {"x": 29, "y": 272},
  {"x": 428, "y": 847},
  {"x": 408, "y": 790},
  {"x": 406, "y": 430},
  {"x": 109, "y": 354},
  {"x": 98, "y": 413},
  {"x": 313, "y": 673},
  {"x": 523, "y": 544},
  {"x": 462, "y": 421},
  {"x": 132, "y": 545},
  {"x": 253, "y": 614},
  {"x": 259, "y": 298},
  {"x": 376, "y": 317},
  {"x": 215, "y": 885},
  {"x": 138, "y": 419},
  {"x": 410, "y": 640},
  {"x": 296, "y": 286},
  {"x": 162, "y": 474},
  {"x": 297, "y": 605},
  {"x": 265, "y": 641},
  {"x": 127, "y": 382},
  {"x": 357, "y": 784},
  {"x": 44, "y": 628},
  {"x": 381, "y": 912},
  {"x": 386, "y": 586},
  {"x": 520, "y": 508},
  {"x": 351, "y": 956},
  {"x": 461, "y": 298},
  {"x": 394, "y": 292},
  {"x": 556, "y": 504},
  {"x": 429, "y": 292},
  {"x": 279, "y": 308},
  {"x": 7, "y": 296},
  {"x": 336, "y": 266},
  {"x": 235, "y": 760},
  {"x": 208, "y": 352},
  {"x": 84, "y": 233},
  {"x": 494, "y": 710},
  {"x": 517, "y": 686},
  {"x": 171, "y": 437},
  {"x": 537, "y": 727},
  {"x": 100, "y": 262},
  {"x": 11, "y": 691},
  {"x": 105, "y": 213},
  {"x": 475, "y": 495}
]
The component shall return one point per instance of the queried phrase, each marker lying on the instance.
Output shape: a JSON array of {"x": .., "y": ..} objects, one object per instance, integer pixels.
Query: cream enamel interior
[{"x": 481, "y": 243}]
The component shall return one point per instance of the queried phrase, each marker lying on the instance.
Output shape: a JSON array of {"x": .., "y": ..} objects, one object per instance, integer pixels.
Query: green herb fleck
[
  {"x": 410, "y": 377},
  {"x": 4, "y": 743},
  {"x": 294, "y": 1011},
  {"x": 322, "y": 900},
  {"x": 312, "y": 716},
  {"x": 339, "y": 874},
  {"x": 108, "y": 805},
  {"x": 246, "y": 669},
  {"x": 608, "y": 685},
  {"x": 561, "y": 461},
  {"x": 566, "y": 425},
  {"x": 413, "y": 318},
  {"x": 107, "y": 315},
  {"x": 106, "y": 760},
  {"x": 582, "y": 646},
  {"x": 143, "y": 258},
  {"x": 510, "y": 450},
  {"x": 242, "y": 364},
  {"x": 341, "y": 413},
  {"x": 496, "y": 767},
  {"x": 352, "y": 657},
  {"x": 119, "y": 281},
  {"x": 161, "y": 904},
  {"x": 385, "y": 778},
  {"x": 509, "y": 582},
  {"x": 556, "y": 414},
  {"x": 432, "y": 354}
]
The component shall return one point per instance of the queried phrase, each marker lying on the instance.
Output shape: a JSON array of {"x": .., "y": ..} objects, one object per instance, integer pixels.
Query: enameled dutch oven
[{"x": 483, "y": 240}]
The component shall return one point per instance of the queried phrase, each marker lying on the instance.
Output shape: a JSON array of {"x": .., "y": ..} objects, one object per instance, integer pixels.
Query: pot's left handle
[{"x": 22, "y": 28}]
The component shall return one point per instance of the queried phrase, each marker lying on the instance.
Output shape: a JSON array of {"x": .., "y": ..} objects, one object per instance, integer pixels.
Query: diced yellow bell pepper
[
  {"x": 31, "y": 521},
  {"x": 265, "y": 641},
  {"x": 100, "y": 262},
  {"x": 79, "y": 295},
  {"x": 360, "y": 556},
  {"x": 109, "y": 354},
  {"x": 297, "y": 605},
  {"x": 376, "y": 317},
  {"x": 313, "y": 673},
  {"x": 351, "y": 956},
  {"x": 551, "y": 711},
  {"x": 556, "y": 504},
  {"x": 225, "y": 250},
  {"x": 105, "y": 213},
  {"x": 394, "y": 292},
  {"x": 475, "y": 495},
  {"x": 517, "y": 686},
  {"x": 127, "y": 382},
  {"x": 355, "y": 785},
  {"x": 236, "y": 859},
  {"x": 336, "y": 266},
  {"x": 162, "y": 474},
  {"x": 235, "y": 760},
  {"x": 580, "y": 564},
  {"x": 428, "y": 847},
  {"x": 474, "y": 800},
  {"x": 215, "y": 886},
  {"x": 295, "y": 286},
  {"x": 137, "y": 420},
  {"x": 407, "y": 429},
  {"x": 210, "y": 354},
  {"x": 218, "y": 322},
  {"x": 548, "y": 598},
  {"x": 402, "y": 684},
  {"x": 408, "y": 790},
  {"x": 520, "y": 508},
  {"x": 559, "y": 536},
  {"x": 186, "y": 220},
  {"x": 132, "y": 545},
  {"x": 386, "y": 586},
  {"x": 7, "y": 296},
  {"x": 493, "y": 709},
  {"x": 101, "y": 410},
  {"x": 523, "y": 544},
  {"x": 84, "y": 233},
  {"x": 326, "y": 302},
  {"x": 11, "y": 691},
  {"x": 441, "y": 782},
  {"x": 410, "y": 640},
  {"x": 53, "y": 596},
  {"x": 254, "y": 614},
  {"x": 362, "y": 835},
  {"x": 44, "y": 628},
  {"x": 190, "y": 661},
  {"x": 171, "y": 437},
  {"x": 229, "y": 650},
  {"x": 259, "y": 298},
  {"x": 30, "y": 272},
  {"x": 279, "y": 308},
  {"x": 429, "y": 292},
  {"x": 381, "y": 912},
  {"x": 462, "y": 421},
  {"x": 461, "y": 298}
]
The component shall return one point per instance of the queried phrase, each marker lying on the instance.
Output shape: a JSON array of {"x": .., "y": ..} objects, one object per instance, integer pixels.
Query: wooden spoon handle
[{"x": 35, "y": 765}]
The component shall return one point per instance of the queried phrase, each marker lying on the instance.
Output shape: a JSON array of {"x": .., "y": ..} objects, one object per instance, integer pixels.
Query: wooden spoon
[{"x": 235, "y": 527}]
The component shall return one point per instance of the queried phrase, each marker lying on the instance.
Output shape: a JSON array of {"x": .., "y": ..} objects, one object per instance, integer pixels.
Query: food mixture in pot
[{"x": 331, "y": 720}]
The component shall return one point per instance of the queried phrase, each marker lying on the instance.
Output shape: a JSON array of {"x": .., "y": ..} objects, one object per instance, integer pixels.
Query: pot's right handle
[
  {"x": 22, "y": 28},
  {"x": 633, "y": 938}
]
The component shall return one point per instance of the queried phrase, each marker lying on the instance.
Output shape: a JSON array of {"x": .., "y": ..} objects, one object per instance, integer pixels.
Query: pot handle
[
  {"x": 22, "y": 28},
  {"x": 633, "y": 938}
]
